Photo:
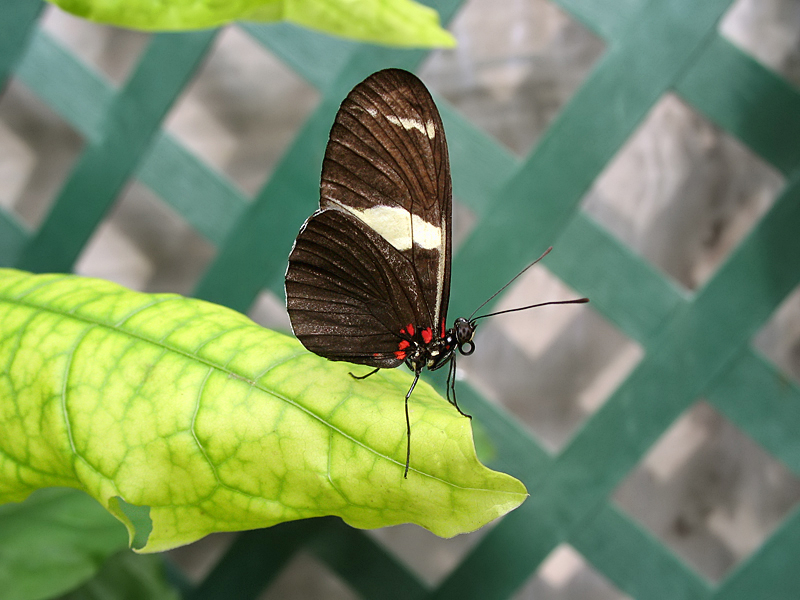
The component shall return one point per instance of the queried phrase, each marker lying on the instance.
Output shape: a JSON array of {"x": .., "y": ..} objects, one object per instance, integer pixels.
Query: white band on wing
[{"x": 395, "y": 226}]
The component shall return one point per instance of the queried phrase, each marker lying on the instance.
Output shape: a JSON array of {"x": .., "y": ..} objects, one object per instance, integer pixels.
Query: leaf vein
[{"x": 229, "y": 372}]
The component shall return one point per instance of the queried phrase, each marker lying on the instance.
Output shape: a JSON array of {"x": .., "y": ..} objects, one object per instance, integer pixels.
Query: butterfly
[{"x": 368, "y": 279}]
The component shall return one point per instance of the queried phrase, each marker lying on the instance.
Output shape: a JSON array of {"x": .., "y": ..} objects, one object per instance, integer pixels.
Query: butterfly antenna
[
  {"x": 500, "y": 312},
  {"x": 545, "y": 253}
]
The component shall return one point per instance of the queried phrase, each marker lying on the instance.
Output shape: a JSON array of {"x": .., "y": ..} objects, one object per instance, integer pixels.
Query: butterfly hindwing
[
  {"x": 376, "y": 256},
  {"x": 348, "y": 290}
]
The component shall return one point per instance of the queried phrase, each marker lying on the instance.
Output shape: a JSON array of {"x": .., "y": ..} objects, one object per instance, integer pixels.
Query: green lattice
[{"x": 693, "y": 346}]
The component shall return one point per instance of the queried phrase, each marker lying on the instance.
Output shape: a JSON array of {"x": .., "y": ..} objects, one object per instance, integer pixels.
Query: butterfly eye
[{"x": 465, "y": 330}]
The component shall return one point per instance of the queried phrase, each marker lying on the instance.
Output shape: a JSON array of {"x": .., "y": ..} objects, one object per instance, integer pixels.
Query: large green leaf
[
  {"x": 214, "y": 423},
  {"x": 393, "y": 22}
]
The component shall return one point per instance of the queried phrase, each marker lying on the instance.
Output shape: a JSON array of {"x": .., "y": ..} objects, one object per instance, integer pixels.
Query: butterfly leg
[
  {"x": 375, "y": 370},
  {"x": 451, "y": 386},
  {"x": 408, "y": 425}
]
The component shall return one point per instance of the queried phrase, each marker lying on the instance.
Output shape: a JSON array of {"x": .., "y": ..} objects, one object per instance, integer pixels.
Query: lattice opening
[
  {"x": 779, "y": 339},
  {"x": 565, "y": 574},
  {"x": 430, "y": 557},
  {"x": 242, "y": 110},
  {"x": 553, "y": 366},
  {"x": 143, "y": 244},
  {"x": 682, "y": 193},
  {"x": 37, "y": 152},
  {"x": 112, "y": 51},
  {"x": 514, "y": 68},
  {"x": 306, "y": 577},
  {"x": 464, "y": 221},
  {"x": 270, "y": 311},
  {"x": 709, "y": 492},
  {"x": 197, "y": 560},
  {"x": 769, "y": 30}
]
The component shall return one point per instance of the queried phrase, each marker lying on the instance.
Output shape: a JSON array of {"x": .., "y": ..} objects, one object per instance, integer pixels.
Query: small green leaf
[
  {"x": 54, "y": 541},
  {"x": 402, "y": 23},
  {"x": 214, "y": 423}
]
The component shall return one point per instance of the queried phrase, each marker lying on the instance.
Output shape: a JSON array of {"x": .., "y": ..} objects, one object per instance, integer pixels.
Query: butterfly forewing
[
  {"x": 387, "y": 163},
  {"x": 376, "y": 256}
]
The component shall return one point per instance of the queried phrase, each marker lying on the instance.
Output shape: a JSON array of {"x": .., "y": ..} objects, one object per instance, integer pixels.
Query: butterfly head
[{"x": 464, "y": 330}]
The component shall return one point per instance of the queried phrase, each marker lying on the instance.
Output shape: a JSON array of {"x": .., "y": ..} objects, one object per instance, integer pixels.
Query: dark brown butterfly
[{"x": 369, "y": 275}]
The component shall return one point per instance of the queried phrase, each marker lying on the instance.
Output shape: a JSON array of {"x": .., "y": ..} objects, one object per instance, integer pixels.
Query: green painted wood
[
  {"x": 369, "y": 569},
  {"x": 628, "y": 291},
  {"x": 72, "y": 89},
  {"x": 747, "y": 100},
  {"x": 321, "y": 59},
  {"x": 541, "y": 198},
  {"x": 208, "y": 201},
  {"x": 479, "y": 164},
  {"x": 254, "y": 560},
  {"x": 16, "y": 26},
  {"x": 13, "y": 237},
  {"x": 637, "y": 562},
  {"x": 604, "y": 17},
  {"x": 690, "y": 351},
  {"x": 763, "y": 402},
  {"x": 513, "y": 449},
  {"x": 132, "y": 120},
  {"x": 771, "y": 572},
  {"x": 316, "y": 57},
  {"x": 254, "y": 254}
]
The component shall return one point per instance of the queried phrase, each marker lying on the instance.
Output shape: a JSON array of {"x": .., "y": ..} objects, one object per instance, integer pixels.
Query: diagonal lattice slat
[{"x": 131, "y": 121}]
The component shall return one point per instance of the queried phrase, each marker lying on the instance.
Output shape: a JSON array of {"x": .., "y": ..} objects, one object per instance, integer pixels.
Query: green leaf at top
[
  {"x": 214, "y": 423},
  {"x": 392, "y": 22}
]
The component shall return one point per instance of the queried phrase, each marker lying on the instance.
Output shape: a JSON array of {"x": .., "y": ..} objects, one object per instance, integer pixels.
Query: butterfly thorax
[{"x": 421, "y": 348}]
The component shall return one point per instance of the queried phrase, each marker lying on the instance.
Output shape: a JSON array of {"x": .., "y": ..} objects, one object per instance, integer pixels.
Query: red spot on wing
[
  {"x": 404, "y": 344},
  {"x": 443, "y": 330},
  {"x": 427, "y": 335},
  {"x": 400, "y": 354},
  {"x": 410, "y": 329}
]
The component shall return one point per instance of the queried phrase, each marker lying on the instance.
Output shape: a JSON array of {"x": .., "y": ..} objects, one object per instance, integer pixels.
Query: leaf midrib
[{"x": 20, "y": 300}]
